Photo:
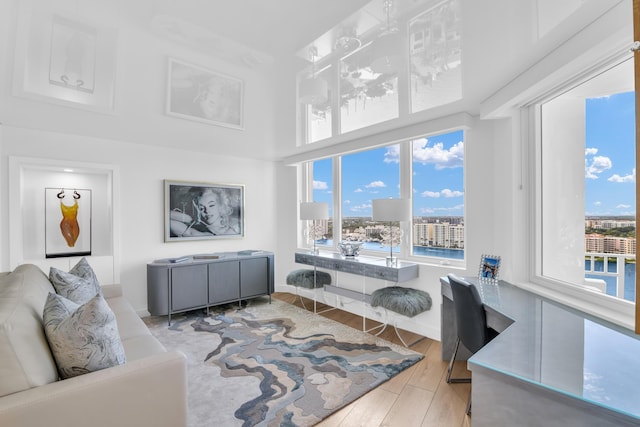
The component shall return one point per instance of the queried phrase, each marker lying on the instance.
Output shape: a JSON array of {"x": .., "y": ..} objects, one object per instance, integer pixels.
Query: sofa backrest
[{"x": 25, "y": 358}]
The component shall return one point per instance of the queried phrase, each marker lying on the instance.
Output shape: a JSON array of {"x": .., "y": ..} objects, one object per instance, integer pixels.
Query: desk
[
  {"x": 363, "y": 266},
  {"x": 551, "y": 364}
]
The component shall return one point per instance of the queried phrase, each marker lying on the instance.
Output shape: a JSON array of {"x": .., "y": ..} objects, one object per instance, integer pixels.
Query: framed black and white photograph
[
  {"x": 67, "y": 222},
  {"x": 489, "y": 267},
  {"x": 65, "y": 61},
  {"x": 199, "y": 211},
  {"x": 196, "y": 93}
]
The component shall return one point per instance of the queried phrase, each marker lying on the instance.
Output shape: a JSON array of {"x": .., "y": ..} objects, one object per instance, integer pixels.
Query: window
[
  {"x": 322, "y": 188},
  {"x": 436, "y": 229},
  {"x": 438, "y": 196},
  {"x": 586, "y": 169},
  {"x": 368, "y": 175}
]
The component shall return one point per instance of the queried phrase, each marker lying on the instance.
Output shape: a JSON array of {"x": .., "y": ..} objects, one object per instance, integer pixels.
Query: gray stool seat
[
  {"x": 305, "y": 278},
  {"x": 406, "y": 301}
]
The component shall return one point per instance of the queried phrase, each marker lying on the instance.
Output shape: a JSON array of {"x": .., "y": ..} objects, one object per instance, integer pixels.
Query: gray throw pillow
[
  {"x": 83, "y": 338},
  {"x": 79, "y": 285}
]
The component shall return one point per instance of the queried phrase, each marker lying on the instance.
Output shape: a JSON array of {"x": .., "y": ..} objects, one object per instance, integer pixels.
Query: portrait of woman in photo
[{"x": 197, "y": 211}]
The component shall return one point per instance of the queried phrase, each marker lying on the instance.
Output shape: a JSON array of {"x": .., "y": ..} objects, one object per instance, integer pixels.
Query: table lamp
[
  {"x": 313, "y": 211},
  {"x": 391, "y": 210}
]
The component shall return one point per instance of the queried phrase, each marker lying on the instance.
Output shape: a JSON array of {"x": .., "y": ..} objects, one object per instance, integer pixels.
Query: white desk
[{"x": 551, "y": 365}]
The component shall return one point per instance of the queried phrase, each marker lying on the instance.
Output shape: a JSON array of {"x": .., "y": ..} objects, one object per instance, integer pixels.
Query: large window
[
  {"x": 429, "y": 170},
  {"x": 367, "y": 175},
  {"x": 438, "y": 196},
  {"x": 587, "y": 179},
  {"x": 322, "y": 190}
]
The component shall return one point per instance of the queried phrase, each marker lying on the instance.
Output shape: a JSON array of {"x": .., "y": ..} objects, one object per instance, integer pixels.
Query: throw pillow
[
  {"x": 83, "y": 338},
  {"x": 79, "y": 285}
]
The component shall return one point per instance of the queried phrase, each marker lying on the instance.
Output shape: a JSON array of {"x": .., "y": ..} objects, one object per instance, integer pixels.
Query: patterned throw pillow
[
  {"x": 83, "y": 338},
  {"x": 79, "y": 285}
]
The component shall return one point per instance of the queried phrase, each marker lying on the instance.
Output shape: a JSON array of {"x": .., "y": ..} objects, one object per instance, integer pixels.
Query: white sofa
[{"x": 150, "y": 389}]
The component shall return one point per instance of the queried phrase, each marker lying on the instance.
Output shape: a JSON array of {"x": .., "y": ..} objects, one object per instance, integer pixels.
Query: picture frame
[
  {"x": 203, "y": 211},
  {"x": 206, "y": 96},
  {"x": 489, "y": 267},
  {"x": 67, "y": 222},
  {"x": 65, "y": 61}
]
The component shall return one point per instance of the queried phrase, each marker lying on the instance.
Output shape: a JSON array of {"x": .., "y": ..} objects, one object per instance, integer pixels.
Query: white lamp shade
[
  {"x": 314, "y": 210},
  {"x": 313, "y": 91},
  {"x": 391, "y": 209}
]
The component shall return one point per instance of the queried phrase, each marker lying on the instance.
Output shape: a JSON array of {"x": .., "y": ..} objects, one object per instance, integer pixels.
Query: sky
[
  {"x": 610, "y": 174},
  {"x": 438, "y": 177}
]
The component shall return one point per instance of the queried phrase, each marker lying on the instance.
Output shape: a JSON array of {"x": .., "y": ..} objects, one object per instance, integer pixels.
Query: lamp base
[{"x": 392, "y": 261}]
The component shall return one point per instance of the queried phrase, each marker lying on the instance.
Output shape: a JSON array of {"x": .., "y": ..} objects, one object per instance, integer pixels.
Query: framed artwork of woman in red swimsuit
[{"x": 67, "y": 222}]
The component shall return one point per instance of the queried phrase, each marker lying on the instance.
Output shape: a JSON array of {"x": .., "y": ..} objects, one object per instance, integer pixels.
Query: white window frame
[
  {"x": 406, "y": 190},
  {"x": 605, "y": 306}
]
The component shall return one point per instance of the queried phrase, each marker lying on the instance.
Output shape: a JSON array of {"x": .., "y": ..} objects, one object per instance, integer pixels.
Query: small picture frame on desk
[{"x": 489, "y": 268}]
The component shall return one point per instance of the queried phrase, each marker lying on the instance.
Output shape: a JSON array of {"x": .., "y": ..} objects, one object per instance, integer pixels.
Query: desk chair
[{"x": 471, "y": 323}]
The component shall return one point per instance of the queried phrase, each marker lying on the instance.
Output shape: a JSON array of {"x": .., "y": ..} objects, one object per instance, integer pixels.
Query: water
[
  {"x": 629, "y": 278},
  {"x": 629, "y": 271},
  {"x": 417, "y": 250}
]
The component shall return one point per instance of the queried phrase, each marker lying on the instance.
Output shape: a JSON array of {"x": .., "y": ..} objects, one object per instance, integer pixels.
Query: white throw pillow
[
  {"x": 79, "y": 285},
  {"x": 83, "y": 338}
]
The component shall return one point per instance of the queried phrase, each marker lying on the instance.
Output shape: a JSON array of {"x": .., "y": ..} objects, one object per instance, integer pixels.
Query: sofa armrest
[
  {"x": 111, "y": 291},
  {"x": 151, "y": 391}
]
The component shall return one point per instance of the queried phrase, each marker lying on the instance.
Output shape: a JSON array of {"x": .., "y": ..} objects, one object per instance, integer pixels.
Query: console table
[
  {"x": 550, "y": 365},
  {"x": 363, "y": 266},
  {"x": 181, "y": 284}
]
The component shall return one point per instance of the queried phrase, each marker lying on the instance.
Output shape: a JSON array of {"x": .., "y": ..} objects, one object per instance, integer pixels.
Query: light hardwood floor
[{"x": 418, "y": 396}]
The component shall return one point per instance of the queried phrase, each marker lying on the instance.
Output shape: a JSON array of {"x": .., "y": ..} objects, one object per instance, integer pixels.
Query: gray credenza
[{"x": 187, "y": 283}]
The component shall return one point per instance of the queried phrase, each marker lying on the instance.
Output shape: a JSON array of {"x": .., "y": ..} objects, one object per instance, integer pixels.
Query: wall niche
[{"x": 28, "y": 180}]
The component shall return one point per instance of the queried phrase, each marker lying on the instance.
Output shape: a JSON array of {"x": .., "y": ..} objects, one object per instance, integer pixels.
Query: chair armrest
[{"x": 150, "y": 391}]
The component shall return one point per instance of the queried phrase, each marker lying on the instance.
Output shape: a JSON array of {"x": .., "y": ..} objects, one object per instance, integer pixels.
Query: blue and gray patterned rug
[{"x": 275, "y": 364}]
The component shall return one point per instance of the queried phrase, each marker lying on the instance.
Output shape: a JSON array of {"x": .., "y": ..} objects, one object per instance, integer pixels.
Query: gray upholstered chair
[{"x": 471, "y": 323}]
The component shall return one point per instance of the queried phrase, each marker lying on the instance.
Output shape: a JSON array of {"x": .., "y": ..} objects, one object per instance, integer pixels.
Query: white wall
[{"x": 142, "y": 171}]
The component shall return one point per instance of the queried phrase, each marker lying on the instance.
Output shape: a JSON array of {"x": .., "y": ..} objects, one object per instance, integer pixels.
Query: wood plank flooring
[{"x": 418, "y": 396}]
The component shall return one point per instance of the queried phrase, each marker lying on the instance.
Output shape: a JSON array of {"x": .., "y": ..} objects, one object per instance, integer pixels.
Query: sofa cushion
[
  {"x": 79, "y": 285},
  {"x": 83, "y": 338},
  {"x": 26, "y": 360}
]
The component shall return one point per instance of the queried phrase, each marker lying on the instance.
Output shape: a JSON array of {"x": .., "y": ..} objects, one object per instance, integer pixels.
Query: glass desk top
[{"x": 557, "y": 347}]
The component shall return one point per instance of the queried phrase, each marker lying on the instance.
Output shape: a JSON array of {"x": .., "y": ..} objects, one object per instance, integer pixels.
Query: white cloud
[
  {"x": 627, "y": 178},
  {"x": 320, "y": 185},
  {"x": 437, "y": 155},
  {"x": 346, "y": 202},
  {"x": 358, "y": 190},
  {"x": 444, "y": 193},
  {"x": 622, "y": 206},
  {"x": 376, "y": 184},
  {"x": 596, "y": 165},
  {"x": 360, "y": 208},
  {"x": 598, "y": 203},
  {"x": 451, "y": 193},
  {"x": 590, "y": 151},
  {"x": 430, "y": 194},
  {"x": 392, "y": 155}
]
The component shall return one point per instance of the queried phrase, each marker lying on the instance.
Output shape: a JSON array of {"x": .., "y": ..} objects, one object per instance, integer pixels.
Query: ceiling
[
  {"x": 277, "y": 28},
  {"x": 258, "y": 31}
]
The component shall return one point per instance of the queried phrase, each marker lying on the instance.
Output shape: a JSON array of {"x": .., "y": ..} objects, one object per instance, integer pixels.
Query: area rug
[{"x": 274, "y": 364}]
